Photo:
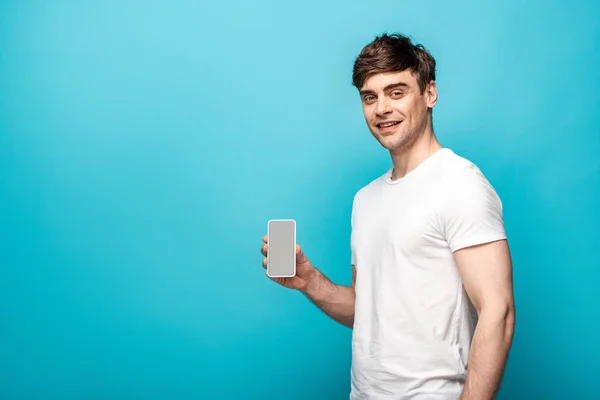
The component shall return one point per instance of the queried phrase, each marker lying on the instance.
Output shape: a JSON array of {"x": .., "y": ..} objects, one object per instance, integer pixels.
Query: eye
[
  {"x": 397, "y": 93},
  {"x": 369, "y": 98}
]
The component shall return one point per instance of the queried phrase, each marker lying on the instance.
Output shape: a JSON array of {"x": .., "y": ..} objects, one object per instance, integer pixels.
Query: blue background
[{"x": 144, "y": 146}]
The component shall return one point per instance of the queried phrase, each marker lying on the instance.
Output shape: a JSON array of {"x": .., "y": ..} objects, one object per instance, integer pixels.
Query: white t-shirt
[{"x": 413, "y": 321}]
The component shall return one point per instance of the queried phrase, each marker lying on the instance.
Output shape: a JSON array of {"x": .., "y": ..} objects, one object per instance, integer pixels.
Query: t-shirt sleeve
[{"x": 472, "y": 211}]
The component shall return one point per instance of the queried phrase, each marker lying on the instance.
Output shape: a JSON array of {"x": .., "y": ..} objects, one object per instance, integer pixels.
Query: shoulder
[
  {"x": 371, "y": 189},
  {"x": 470, "y": 211},
  {"x": 462, "y": 179},
  {"x": 465, "y": 192}
]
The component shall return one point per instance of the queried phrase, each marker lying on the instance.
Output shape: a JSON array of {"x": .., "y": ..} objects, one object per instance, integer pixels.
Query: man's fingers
[
  {"x": 264, "y": 249},
  {"x": 264, "y": 263},
  {"x": 265, "y": 239},
  {"x": 300, "y": 257}
]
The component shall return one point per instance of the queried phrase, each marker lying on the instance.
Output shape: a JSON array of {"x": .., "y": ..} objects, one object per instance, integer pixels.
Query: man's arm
[
  {"x": 336, "y": 301},
  {"x": 486, "y": 271}
]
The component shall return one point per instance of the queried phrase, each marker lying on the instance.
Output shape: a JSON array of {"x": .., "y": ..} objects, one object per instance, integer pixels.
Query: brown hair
[{"x": 393, "y": 53}]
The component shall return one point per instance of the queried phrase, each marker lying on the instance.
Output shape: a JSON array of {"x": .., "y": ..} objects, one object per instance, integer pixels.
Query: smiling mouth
[{"x": 387, "y": 124}]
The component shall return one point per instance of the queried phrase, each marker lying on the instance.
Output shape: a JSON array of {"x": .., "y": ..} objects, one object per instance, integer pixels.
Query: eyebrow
[{"x": 388, "y": 87}]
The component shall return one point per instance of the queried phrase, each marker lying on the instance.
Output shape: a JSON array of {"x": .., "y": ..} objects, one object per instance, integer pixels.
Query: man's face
[{"x": 395, "y": 110}]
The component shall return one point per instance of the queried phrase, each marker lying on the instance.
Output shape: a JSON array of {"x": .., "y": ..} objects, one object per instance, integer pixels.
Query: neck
[{"x": 405, "y": 160}]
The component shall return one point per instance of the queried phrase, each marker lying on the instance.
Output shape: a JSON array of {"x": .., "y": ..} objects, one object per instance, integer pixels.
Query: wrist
[{"x": 312, "y": 282}]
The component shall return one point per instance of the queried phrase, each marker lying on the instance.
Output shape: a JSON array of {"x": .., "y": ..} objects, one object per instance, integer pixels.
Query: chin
[
  {"x": 391, "y": 139},
  {"x": 394, "y": 142},
  {"x": 389, "y": 145}
]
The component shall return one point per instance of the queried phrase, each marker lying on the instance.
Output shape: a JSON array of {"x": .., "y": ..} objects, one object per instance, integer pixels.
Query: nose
[{"x": 384, "y": 106}]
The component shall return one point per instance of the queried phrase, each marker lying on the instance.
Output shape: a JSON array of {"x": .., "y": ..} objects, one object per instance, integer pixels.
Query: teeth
[{"x": 386, "y": 124}]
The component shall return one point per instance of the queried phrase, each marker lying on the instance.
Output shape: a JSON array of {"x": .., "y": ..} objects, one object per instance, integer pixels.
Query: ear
[{"x": 431, "y": 94}]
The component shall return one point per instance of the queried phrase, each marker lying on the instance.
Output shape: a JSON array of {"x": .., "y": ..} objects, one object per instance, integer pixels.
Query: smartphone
[{"x": 281, "y": 255}]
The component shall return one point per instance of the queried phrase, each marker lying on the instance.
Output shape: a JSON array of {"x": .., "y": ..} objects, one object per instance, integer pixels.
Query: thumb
[{"x": 300, "y": 256}]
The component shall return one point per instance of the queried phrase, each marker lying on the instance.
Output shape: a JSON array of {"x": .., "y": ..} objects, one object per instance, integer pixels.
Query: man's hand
[
  {"x": 486, "y": 271},
  {"x": 336, "y": 301},
  {"x": 304, "y": 269}
]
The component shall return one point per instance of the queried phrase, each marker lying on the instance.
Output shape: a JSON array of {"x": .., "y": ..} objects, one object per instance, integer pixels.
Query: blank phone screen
[{"x": 282, "y": 248}]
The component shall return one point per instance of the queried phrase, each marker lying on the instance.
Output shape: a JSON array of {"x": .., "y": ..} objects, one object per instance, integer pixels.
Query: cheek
[
  {"x": 409, "y": 108},
  {"x": 403, "y": 106},
  {"x": 419, "y": 106}
]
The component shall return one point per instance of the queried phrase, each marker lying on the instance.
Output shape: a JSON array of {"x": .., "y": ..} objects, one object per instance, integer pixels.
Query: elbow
[
  {"x": 509, "y": 323},
  {"x": 500, "y": 317}
]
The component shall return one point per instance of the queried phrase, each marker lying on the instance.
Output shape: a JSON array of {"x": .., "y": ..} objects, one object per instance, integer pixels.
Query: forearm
[
  {"x": 336, "y": 301},
  {"x": 488, "y": 354}
]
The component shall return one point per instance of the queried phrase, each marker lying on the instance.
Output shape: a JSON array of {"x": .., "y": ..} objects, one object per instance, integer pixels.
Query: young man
[{"x": 431, "y": 299}]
